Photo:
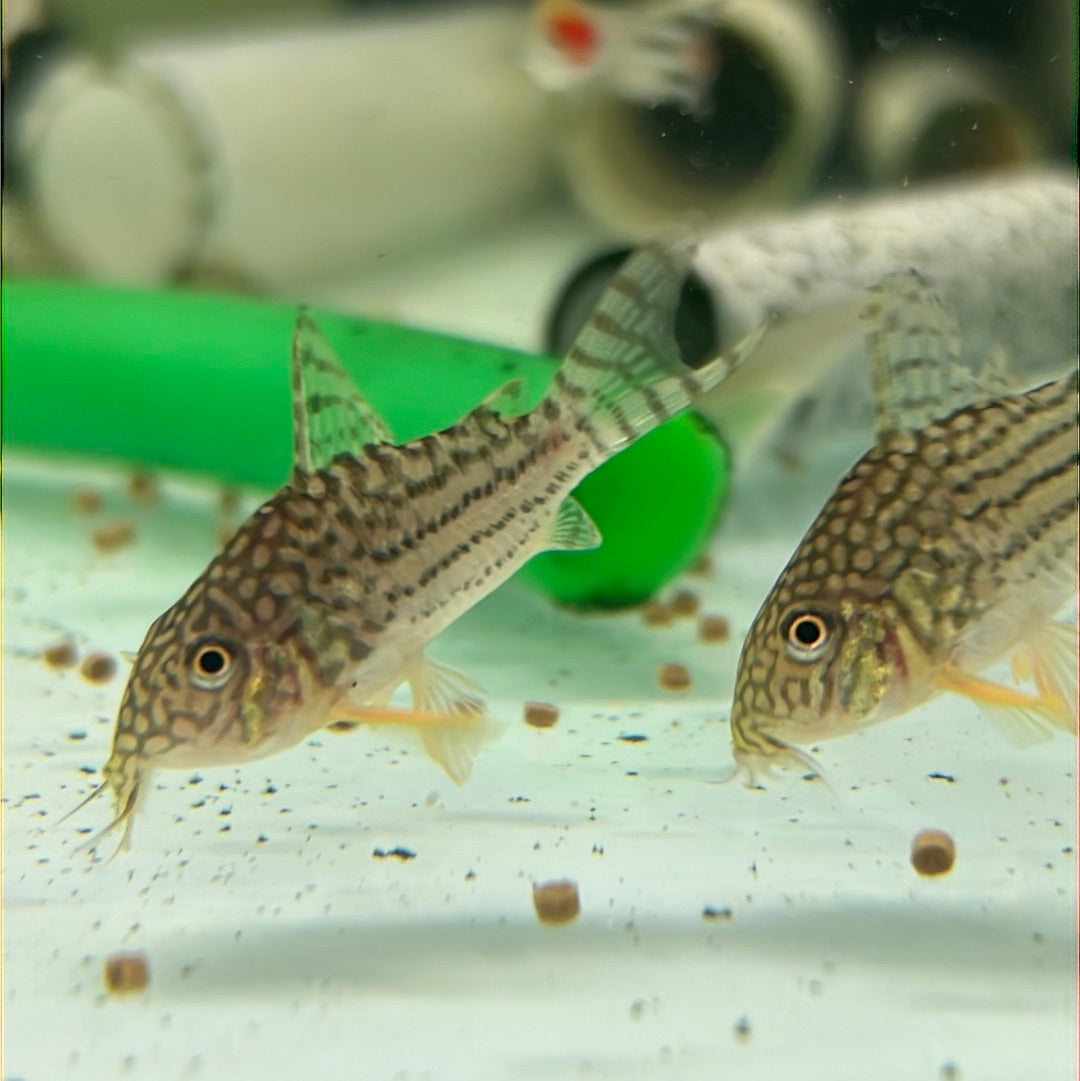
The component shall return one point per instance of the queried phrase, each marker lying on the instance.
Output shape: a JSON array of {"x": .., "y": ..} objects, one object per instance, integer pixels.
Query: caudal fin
[{"x": 624, "y": 376}]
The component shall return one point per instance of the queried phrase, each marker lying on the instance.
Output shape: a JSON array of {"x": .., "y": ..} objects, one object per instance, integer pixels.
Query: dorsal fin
[
  {"x": 330, "y": 415},
  {"x": 914, "y": 348}
]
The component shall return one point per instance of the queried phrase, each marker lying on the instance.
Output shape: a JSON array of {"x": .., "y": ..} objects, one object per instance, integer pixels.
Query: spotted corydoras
[
  {"x": 950, "y": 545},
  {"x": 324, "y": 601}
]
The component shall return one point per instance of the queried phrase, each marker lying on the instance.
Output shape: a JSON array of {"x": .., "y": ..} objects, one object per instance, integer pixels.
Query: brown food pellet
[
  {"x": 673, "y": 677},
  {"x": 655, "y": 614},
  {"x": 143, "y": 488},
  {"x": 62, "y": 655},
  {"x": 703, "y": 566},
  {"x": 342, "y": 726},
  {"x": 788, "y": 461},
  {"x": 713, "y": 629},
  {"x": 98, "y": 668},
  {"x": 541, "y": 714},
  {"x": 115, "y": 535},
  {"x": 126, "y": 972},
  {"x": 932, "y": 852},
  {"x": 557, "y": 901},
  {"x": 685, "y": 603},
  {"x": 229, "y": 501},
  {"x": 87, "y": 500}
]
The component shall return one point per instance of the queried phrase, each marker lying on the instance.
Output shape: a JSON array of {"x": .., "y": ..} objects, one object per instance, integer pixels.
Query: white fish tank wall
[{"x": 601, "y": 898}]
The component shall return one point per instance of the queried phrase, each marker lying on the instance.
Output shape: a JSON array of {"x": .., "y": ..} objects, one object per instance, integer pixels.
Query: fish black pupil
[
  {"x": 211, "y": 661},
  {"x": 808, "y": 631}
]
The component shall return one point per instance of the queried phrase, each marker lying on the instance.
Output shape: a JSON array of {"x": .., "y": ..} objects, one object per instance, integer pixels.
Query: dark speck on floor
[
  {"x": 397, "y": 853},
  {"x": 710, "y": 913}
]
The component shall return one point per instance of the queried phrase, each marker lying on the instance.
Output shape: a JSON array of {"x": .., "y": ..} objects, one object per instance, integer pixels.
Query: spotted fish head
[
  {"x": 211, "y": 685},
  {"x": 812, "y": 669}
]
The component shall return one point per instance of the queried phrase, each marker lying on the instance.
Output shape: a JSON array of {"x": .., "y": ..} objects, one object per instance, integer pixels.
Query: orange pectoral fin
[
  {"x": 346, "y": 717},
  {"x": 450, "y": 739},
  {"x": 1024, "y": 717}
]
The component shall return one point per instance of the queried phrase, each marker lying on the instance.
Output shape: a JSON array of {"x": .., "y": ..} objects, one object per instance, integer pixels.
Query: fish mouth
[
  {"x": 766, "y": 755},
  {"x": 752, "y": 733},
  {"x": 763, "y": 742}
]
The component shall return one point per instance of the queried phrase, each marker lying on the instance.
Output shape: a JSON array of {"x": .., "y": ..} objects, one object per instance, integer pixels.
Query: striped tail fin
[{"x": 624, "y": 376}]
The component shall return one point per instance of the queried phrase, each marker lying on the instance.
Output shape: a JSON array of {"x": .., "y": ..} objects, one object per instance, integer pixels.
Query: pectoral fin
[
  {"x": 1049, "y": 660},
  {"x": 439, "y": 689},
  {"x": 345, "y": 718},
  {"x": 452, "y": 740},
  {"x": 1024, "y": 718},
  {"x": 447, "y": 714},
  {"x": 445, "y": 692}
]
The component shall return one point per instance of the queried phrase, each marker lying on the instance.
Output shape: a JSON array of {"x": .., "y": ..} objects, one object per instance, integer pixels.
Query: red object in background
[{"x": 576, "y": 36}]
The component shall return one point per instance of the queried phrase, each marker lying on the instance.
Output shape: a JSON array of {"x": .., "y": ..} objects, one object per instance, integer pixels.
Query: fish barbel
[
  {"x": 324, "y": 601},
  {"x": 950, "y": 545}
]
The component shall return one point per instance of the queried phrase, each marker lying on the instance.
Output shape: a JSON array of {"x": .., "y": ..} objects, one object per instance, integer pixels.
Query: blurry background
[
  {"x": 476, "y": 169},
  {"x": 455, "y": 165}
]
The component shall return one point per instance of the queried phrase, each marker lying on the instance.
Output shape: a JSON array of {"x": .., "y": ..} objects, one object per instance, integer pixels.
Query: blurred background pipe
[
  {"x": 1049, "y": 56},
  {"x": 770, "y": 115},
  {"x": 114, "y": 24},
  {"x": 928, "y": 112},
  {"x": 284, "y": 156},
  {"x": 1000, "y": 252}
]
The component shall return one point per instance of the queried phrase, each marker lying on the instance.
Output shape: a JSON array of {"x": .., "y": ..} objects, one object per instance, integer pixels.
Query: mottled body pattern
[
  {"x": 949, "y": 545},
  {"x": 323, "y": 602}
]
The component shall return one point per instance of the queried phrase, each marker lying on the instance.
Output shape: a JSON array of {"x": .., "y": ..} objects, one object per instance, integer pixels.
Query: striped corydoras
[
  {"x": 950, "y": 545},
  {"x": 324, "y": 601}
]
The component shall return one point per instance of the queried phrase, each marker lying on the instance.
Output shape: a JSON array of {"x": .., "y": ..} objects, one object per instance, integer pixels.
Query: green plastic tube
[{"x": 200, "y": 384}]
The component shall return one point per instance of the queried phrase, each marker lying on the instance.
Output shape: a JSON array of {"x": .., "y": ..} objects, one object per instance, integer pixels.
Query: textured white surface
[
  {"x": 813, "y": 267},
  {"x": 1018, "y": 230},
  {"x": 281, "y": 947}
]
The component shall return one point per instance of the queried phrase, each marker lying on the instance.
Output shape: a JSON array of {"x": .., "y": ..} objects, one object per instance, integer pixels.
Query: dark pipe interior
[{"x": 731, "y": 140}]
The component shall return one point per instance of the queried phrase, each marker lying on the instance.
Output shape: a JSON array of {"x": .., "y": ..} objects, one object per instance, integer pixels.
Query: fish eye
[
  {"x": 806, "y": 634},
  {"x": 212, "y": 662}
]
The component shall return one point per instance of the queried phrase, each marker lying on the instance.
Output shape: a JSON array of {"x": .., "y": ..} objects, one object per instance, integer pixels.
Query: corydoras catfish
[
  {"x": 327, "y": 597},
  {"x": 950, "y": 545}
]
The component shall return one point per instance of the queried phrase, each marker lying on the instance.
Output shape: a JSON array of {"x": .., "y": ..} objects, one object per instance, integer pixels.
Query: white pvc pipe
[
  {"x": 1000, "y": 253},
  {"x": 293, "y": 155},
  {"x": 618, "y": 156},
  {"x": 928, "y": 112}
]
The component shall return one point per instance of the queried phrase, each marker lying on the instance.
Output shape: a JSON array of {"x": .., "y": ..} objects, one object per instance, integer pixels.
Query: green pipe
[{"x": 200, "y": 384}]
